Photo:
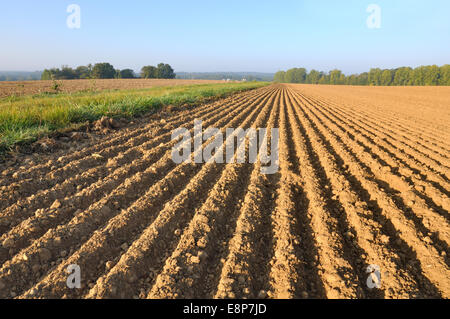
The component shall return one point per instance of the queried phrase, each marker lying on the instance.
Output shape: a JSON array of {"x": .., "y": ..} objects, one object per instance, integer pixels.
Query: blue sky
[{"x": 231, "y": 35}]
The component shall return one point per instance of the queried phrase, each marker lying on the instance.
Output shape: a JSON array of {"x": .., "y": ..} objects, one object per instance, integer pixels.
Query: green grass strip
[{"x": 24, "y": 119}]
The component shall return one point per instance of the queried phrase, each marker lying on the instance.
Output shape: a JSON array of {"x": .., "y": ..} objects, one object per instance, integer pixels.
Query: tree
[
  {"x": 445, "y": 75},
  {"x": 279, "y": 77},
  {"x": 67, "y": 73},
  {"x": 386, "y": 78},
  {"x": 46, "y": 75},
  {"x": 313, "y": 77},
  {"x": 295, "y": 75},
  {"x": 335, "y": 76},
  {"x": 127, "y": 74},
  {"x": 323, "y": 80},
  {"x": 432, "y": 75},
  {"x": 363, "y": 78},
  {"x": 290, "y": 76},
  {"x": 149, "y": 72},
  {"x": 419, "y": 75},
  {"x": 165, "y": 71},
  {"x": 103, "y": 71},
  {"x": 402, "y": 76},
  {"x": 300, "y": 75},
  {"x": 51, "y": 74},
  {"x": 83, "y": 72},
  {"x": 352, "y": 80},
  {"x": 375, "y": 76}
]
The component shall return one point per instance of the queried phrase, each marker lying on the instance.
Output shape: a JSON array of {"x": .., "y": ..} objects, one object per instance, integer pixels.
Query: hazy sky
[{"x": 225, "y": 35}]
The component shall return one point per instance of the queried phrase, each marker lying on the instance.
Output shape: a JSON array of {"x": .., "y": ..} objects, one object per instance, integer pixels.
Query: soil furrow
[
  {"x": 394, "y": 119},
  {"x": 337, "y": 274},
  {"x": 191, "y": 268},
  {"x": 245, "y": 273},
  {"x": 357, "y": 206},
  {"x": 150, "y": 136},
  {"x": 353, "y": 210},
  {"x": 294, "y": 272},
  {"x": 124, "y": 195},
  {"x": 428, "y": 260},
  {"x": 389, "y": 135},
  {"x": 173, "y": 217},
  {"x": 45, "y": 199},
  {"x": 410, "y": 198},
  {"x": 426, "y": 186}
]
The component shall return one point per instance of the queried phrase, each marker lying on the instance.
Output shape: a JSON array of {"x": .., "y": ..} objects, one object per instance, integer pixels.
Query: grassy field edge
[{"x": 27, "y": 118}]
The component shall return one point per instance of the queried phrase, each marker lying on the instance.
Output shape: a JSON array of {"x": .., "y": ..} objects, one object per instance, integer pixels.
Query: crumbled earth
[{"x": 362, "y": 192}]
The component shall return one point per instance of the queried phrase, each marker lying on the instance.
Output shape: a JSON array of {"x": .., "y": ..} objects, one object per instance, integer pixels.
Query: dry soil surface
[
  {"x": 361, "y": 182},
  {"x": 69, "y": 86}
]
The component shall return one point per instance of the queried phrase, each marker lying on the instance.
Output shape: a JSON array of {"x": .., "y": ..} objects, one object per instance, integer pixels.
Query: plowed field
[
  {"x": 360, "y": 183},
  {"x": 8, "y": 88}
]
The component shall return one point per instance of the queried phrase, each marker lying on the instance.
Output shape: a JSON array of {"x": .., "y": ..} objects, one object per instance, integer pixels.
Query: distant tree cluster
[
  {"x": 422, "y": 75},
  {"x": 162, "y": 71},
  {"x": 106, "y": 71}
]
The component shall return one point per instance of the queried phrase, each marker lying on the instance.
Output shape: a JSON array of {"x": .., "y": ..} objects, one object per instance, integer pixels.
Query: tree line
[
  {"x": 422, "y": 75},
  {"x": 107, "y": 71}
]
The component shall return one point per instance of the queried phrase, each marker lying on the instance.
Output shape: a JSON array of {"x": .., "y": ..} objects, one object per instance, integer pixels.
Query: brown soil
[
  {"x": 360, "y": 183},
  {"x": 69, "y": 86}
]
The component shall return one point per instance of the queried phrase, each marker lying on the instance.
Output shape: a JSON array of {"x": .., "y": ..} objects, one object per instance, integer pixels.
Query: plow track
[{"x": 355, "y": 187}]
